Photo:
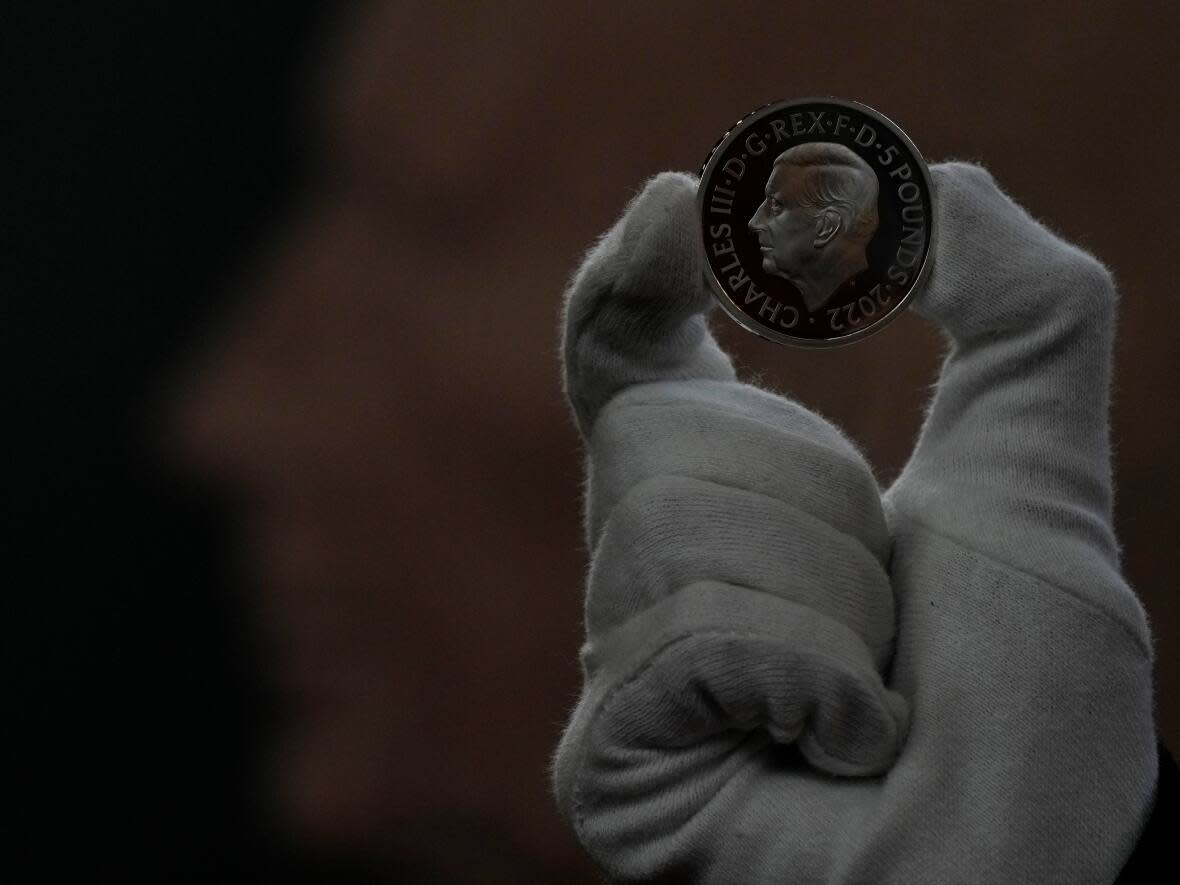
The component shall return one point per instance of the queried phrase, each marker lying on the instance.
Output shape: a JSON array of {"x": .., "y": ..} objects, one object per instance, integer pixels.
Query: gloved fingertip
[
  {"x": 662, "y": 256},
  {"x": 633, "y": 313}
]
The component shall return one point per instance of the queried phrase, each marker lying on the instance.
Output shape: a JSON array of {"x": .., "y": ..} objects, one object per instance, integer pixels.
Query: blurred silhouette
[{"x": 375, "y": 408}]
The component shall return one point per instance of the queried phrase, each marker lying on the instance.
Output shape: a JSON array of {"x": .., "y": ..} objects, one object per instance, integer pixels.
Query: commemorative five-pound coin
[{"x": 817, "y": 221}]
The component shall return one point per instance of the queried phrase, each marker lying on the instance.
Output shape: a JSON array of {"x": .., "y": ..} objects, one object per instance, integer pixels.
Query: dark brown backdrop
[{"x": 384, "y": 399}]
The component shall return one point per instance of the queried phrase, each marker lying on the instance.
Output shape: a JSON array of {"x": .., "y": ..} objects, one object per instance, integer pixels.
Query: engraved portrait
[{"x": 817, "y": 218}]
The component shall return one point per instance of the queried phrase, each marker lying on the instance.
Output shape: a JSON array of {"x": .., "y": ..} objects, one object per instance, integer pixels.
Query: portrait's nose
[{"x": 755, "y": 222}]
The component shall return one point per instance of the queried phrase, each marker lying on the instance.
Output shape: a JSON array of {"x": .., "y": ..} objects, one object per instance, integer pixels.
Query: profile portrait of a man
[{"x": 819, "y": 214}]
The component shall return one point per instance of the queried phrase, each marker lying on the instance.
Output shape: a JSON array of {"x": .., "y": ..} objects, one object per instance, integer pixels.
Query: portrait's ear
[{"x": 827, "y": 225}]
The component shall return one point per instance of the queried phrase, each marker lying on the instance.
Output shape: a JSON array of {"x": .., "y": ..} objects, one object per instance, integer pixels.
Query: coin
[{"x": 816, "y": 220}]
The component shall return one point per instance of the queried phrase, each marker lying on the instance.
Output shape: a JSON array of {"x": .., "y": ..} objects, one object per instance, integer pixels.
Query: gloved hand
[{"x": 789, "y": 677}]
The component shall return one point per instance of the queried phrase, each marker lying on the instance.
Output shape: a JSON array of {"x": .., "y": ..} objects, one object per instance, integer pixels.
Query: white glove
[{"x": 790, "y": 678}]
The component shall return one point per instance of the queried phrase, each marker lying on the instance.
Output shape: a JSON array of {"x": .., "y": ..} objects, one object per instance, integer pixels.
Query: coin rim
[{"x": 723, "y": 297}]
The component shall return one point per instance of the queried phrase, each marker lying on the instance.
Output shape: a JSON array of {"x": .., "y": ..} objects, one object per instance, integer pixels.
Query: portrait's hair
[{"x": 834, "y": 177}]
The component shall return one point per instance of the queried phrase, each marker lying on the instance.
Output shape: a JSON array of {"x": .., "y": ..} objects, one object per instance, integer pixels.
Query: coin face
[{"x": 816, "y": 219}]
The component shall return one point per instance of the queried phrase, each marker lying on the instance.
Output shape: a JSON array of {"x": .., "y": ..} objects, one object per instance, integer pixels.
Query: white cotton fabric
[{"x": 792, "y": 677}]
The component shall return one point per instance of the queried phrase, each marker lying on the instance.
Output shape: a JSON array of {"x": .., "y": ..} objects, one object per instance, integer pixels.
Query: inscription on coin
[{"x": 816, "y": 219}]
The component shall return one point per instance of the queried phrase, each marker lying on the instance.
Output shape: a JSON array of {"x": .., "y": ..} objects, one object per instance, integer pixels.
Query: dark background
[
  {"x": 156, "y": 146},
  {"x": 160, "y": 145}
]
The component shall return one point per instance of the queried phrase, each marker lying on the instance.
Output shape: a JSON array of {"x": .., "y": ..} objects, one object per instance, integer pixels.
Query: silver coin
[{"x": 816, "y": 220}]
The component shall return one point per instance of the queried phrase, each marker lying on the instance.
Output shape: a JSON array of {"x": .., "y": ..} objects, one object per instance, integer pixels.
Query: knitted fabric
[{"x": 790, "y": 676}]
